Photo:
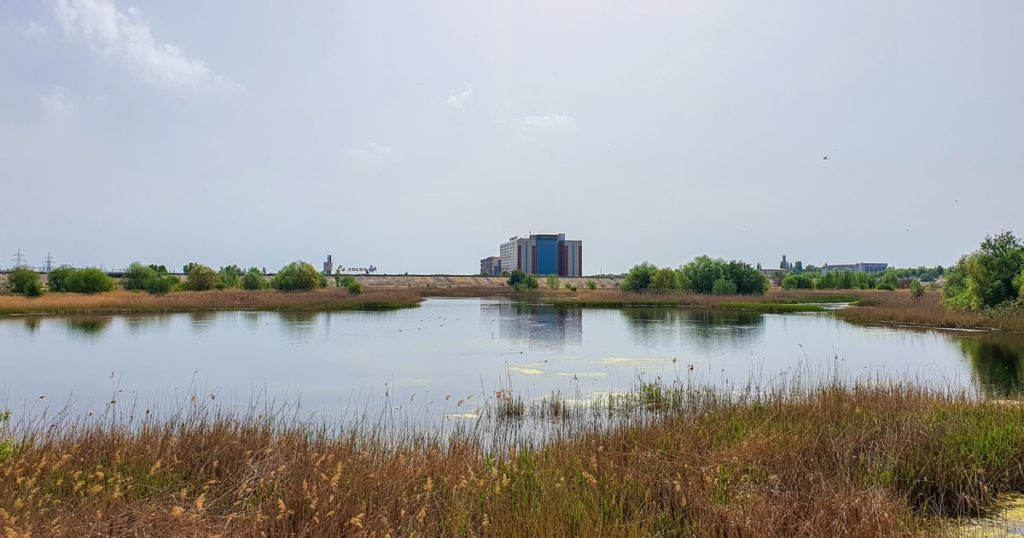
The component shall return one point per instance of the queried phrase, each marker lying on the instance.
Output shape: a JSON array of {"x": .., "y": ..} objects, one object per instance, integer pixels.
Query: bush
[
  {"x": 723, "y": 286},
  {"x": 342, "y": 281},
  {"x": 889, "y": 281},
  {"x": 703, "y": 273},
  {"x": 298, "y": 276},
  {"x": 354, "y": 287},
  {"x": 230, "y": 276},
  {"x": 88, "y": 280},
  {"x": 591, "y": 285},
  {"x": 989, "y": 276},
  {"x": 201, "y": 278},
  {"x": 554, "y": 282},
  {"x": 24, "y": 281},
  {"x": 789, "y": 282},
  {"x": 916, "y": 289},
  {"x": 664, "y": 280},
  {"x": 639, "y": 277},
  {"x": 55, "y": 279},
  {"x": 253, "y": 280},
  {"x": 521, "y": 281},
  {"x": 151, "y": 278}
]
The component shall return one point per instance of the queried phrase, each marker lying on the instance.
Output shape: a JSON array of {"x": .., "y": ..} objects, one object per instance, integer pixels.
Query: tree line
[{"x": 702, "y": 275}]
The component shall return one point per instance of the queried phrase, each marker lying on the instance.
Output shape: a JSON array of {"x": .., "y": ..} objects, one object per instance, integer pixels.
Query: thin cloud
[
  {"x": 562, "y": 122},
  {"x": 128, "y": 36},
  {"x": 457, "y": 100},
  {"x": 373, "y": 152},
  {"x": 31, "y": 30}
]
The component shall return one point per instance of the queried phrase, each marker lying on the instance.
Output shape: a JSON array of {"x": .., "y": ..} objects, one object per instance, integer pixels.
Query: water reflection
[
  {"x": 32, "y": 324},
  {"x": 89, "y": 327},
  {"x": 653, "y": 325},
  {"x": 537, "y": 326},
  {"x": 299, "y": 326},
  {"x": 996, "y": 363}
]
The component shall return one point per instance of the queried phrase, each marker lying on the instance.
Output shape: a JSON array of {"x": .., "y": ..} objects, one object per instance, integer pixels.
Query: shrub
[
  {"x": 591, "y": 285},
  {"x": 989, "y": 276},
  {"x": 200, "y": 278},
  {"x": 916, "y": 289},
  {"x": 24, "y": 281},
  {"x": 253, "y": 280},
  {"x": 666, "y": 279},
  {"x": 889, "y": 281},
  {"x": 554, "y": 282},
  {"x": 723, "y": 286},
  {"x": 298, "y": 276},
  {"x": 789, "y": 282},
  {"x": 151, "y": 278},
  {"x": 55, "y": 279},
  {"x": 88, "y": 280},
  {"x": 230, "y": 276},
  {"x": 342, "y": 281},
  {"x": 354, "y": 287},
  {"x": 521, "y": 281},
  {"x": 639, "y": 277}
]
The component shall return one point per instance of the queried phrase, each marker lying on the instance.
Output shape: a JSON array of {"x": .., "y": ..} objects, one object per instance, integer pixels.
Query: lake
[{"x": 463, "y": 350}]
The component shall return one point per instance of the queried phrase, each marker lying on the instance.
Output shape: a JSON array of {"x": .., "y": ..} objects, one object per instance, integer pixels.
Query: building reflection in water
[
  {"x": 996, "y": 363},
  {"x": 536, "y": 326}
]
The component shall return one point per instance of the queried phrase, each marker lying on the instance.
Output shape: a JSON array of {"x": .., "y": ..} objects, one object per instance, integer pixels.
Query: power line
[{"x": 18, "y": 259}]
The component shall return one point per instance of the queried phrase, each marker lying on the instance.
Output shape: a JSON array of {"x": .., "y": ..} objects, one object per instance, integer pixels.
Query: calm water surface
[{"x": 465, "y": 348}]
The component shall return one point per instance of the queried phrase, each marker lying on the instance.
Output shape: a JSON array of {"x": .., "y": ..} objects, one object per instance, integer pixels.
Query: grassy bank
[
  {"x": 832, "y": 462},
  {"x": 899, "y": 307},
  {"x": 118, "y": 302}
]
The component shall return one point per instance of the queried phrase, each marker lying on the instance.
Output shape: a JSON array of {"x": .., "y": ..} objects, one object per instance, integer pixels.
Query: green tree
[
  {"x": 24, "y": 281},
  {"x": 916, "y": 289},
  {"x": 230, "y": 276},
  {"x": 136, "y": 276},
  {"x": 639, "y": 277},
  {"x": 253, "y": 280},
  {"x": 665, "y": 280},
  {"x": 723, "y": 286},
  {"x": 553, "y": 282},
  {"x": 702, "y": 273},
  {"x": 747, "y": 279},
  {"x": 354, "y": 287},
  {"x": 521, "y": 281},
  {"x": 200, "y": 278},
  {"x": 888, "y": 281},
  {"x": 88, "y": 280},
  {"x": 298, "y": 276},
  {"x": 55, "y": 279},
  {"x": 988, "y": 276},
  {"x": 790, "y": 282}
]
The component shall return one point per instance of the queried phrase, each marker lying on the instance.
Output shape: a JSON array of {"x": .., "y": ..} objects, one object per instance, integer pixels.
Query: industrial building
[
  {"x": 543, "y": 254},
  {"x": 861, "y": 267},
  {"x": 490, "y": 266}
]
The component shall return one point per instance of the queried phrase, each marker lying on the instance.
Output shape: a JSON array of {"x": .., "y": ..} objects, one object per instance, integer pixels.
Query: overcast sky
[{"x": 417, "y": 136}]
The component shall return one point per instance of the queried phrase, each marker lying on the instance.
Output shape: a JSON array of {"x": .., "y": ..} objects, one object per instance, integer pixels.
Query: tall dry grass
[
  {"x": 131, "y": 302},
  {"x": 833, "y": 461},
  {"x": 899, "y": 307}
]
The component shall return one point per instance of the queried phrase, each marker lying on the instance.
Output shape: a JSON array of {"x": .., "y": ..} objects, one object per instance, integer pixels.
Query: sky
[{"x": 417, "y": 136}]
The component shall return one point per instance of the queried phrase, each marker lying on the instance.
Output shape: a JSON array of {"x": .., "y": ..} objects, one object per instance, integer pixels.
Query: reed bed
[
  {"x": 662, "y": 460},
  {"x": 116, "y": 302},
  {"x": 900, "y": 308}
]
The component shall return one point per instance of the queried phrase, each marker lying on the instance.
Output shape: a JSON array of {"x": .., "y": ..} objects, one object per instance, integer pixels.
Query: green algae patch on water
[{"x": 1007, "y": 520}]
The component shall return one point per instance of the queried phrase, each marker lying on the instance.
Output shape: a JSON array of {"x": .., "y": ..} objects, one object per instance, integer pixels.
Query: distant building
[
  {"x": 329, "y": 266},
  {"x": 543, "y": 254},
  {"x": 861, "y": 267},
  {"x": 785, "y": 266},
  {"x": 490, "y": 266}
]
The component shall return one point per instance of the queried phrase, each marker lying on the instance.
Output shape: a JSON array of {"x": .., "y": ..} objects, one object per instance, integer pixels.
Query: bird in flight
[{"x": 825, "y": 158}]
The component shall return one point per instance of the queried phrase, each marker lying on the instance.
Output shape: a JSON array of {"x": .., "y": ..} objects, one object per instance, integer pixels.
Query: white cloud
[
  {"x": 31, "y": 30},
  {"x": 127, "y": 35},
  {"x": 458, "y": 99},
  {"x": 56, "y": 106},
  {"x": 373, "y": 152},
  {"x": 561, "y": 122}
]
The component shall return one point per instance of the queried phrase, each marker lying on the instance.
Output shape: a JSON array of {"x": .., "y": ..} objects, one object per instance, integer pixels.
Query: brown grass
[
  {"x": 867, "y": 461},
  {"x": 899, "y": 307},
  {"x": 131, "y": 302}
]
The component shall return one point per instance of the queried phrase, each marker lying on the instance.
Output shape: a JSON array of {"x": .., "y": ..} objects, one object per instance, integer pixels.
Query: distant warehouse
[
  {"x": 861, "y": 267},
  {"x": 543, "y": 254}
]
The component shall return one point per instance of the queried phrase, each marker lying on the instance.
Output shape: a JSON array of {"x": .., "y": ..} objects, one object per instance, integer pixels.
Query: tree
[
  {"x": 702, "y": 273},
  {"x": 916, "y": 289},
  {"x": 200, "y": 278},
  {"x": 723, "y": 286},
  {"x": 639, "y": 277},
  {"x": 88, "y": 280},
  {"x": 790, "y": 282},
  {"x": 521, "y": 281},
  {"x": 253, "y": 280},
  {"x": 24, "y": 281},
  {"x": 665, "y": 280},
  {"x": 889, "y": 281},
  {"x": 230, "y": 276},
  {"x": 354, "y": 287},
  {"x": 988, "y": 276},
  {"x": 139, "y": 277},
  {"x": 298, "y": 276},
  {"x": 55, "y": 279},
  {"x": 747, "y": 279},
  {"x": 553, "y": 282}
]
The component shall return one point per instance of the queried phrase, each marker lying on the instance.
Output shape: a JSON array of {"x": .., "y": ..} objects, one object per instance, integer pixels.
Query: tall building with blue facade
[{"x": 543, "y": 254}]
